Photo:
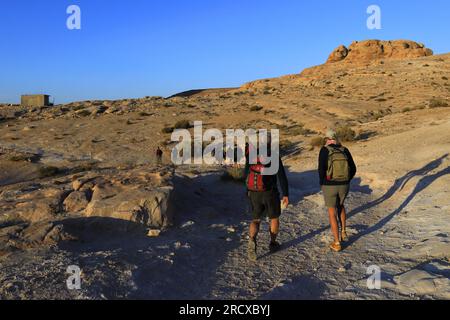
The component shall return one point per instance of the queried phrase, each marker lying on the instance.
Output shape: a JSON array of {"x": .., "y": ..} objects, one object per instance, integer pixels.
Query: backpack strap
[{"x": 340, "y": 149}]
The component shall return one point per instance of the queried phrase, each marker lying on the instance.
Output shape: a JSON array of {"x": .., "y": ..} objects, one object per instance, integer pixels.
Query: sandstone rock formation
[
  {"x": 34, "y": 214},
  {"x": 373, "y": 50}
]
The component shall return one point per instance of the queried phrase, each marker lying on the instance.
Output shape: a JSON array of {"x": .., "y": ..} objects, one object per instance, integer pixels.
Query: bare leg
[
  {"x": 274, "y": 229},
  {"x": 254, "y": 229},
  {"x": 252, "y": 247},
  {"x": 343, "y": 219},
  {"x": 334, "y": 223}
]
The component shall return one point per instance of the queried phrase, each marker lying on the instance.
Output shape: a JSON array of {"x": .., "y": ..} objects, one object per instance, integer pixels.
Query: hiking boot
[
  {"x": 251, "y": 252},
  {"x": 336, "y": 246},
  {"x": 344, "y": 236},
  {"x": 274, "y": 246}
]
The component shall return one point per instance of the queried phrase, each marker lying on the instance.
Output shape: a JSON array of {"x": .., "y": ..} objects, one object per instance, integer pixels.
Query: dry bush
[
  {"x": 438, "y": 103},
  {"x": 19, "y": 158},
  {"x": 407, "y": 109},
  {"x": 346, "y": 134},
  {"x": 256, "y": 108},
  {"x": 167, "y": 130},
  {"x": 83, "y": 113},
  {"x": 236, "y": 174},
  {"x": 287, "y": 146},
  {"x": 317, "y": 142},
  {"x": 183, "y": 124}
]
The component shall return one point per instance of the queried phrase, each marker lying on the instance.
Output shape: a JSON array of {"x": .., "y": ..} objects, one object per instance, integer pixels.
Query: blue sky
[{"x": 137, "y": 48}]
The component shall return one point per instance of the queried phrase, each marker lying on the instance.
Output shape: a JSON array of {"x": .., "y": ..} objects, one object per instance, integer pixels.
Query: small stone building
[{"x": 35, "y": 100}]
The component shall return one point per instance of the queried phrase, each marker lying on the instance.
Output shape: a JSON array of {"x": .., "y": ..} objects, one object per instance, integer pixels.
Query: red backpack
[{"x": 255, "y": 181}]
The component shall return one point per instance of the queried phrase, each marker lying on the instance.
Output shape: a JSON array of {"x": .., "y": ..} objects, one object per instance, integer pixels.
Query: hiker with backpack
[
  {"x": 264, "y": 197},
  {"x": 336, "y": 170}
]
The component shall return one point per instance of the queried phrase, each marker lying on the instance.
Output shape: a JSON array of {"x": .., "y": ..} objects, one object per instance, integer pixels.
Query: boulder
[
  {"x": 339, "y": 54},
  {"x": 76, "y": 201},
  {"x": 40, "y": 205},
  {"x": 148, "y": 208}
]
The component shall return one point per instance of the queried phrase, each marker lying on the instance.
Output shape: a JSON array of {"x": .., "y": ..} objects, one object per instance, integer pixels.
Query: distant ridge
[{"x": 193, "y": 92}]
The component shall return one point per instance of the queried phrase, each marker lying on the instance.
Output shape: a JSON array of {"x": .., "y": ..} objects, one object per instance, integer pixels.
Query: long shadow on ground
[
  {"x": 157, "y": 274},
  {"x": 398, "y": 185}
]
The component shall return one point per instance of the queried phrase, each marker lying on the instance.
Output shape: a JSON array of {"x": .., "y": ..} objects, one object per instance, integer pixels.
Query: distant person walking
[
  {"x": 159, "y": 155},
  {"x": 336, "y": 170},
  {"x": 264, "y": 199}
]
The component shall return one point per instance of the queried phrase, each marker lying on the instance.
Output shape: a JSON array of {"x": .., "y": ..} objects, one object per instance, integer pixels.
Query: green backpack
[{"x": 338, "y": 168}]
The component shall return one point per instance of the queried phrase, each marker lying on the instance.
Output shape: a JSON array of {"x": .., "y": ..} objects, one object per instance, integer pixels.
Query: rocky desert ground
[{"x": 80, "y": 185}]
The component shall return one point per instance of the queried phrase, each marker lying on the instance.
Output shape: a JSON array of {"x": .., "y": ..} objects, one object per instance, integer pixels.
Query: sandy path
[{"x": 204, "y": 256}]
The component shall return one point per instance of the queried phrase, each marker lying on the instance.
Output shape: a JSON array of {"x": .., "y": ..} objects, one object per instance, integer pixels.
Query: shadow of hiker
[
  {"x": 398, "y": 184},
  {"x": 420, "y": 186}
]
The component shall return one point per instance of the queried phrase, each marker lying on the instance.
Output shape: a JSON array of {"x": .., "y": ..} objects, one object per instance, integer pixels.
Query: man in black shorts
[{"x": 265, "y": 202}]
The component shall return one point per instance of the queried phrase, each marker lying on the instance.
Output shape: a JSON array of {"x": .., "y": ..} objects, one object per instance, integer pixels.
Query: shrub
[
  {"x": 18, "y": 158},
  {"x": 236, "y": 174},
  {"x": 48, "y": 171},
  {"x": 317, "y": 142},
  {"x": 84, "y": 167},
  {"x": 183, "y": 124},
  {"x": 438, "y": 103},
  {"x": 345, "y": 134},
  {"x": 286, "y": 146},
  {"x": 256, "y": 108},
  {"x": 167, "y": 130},
  {"x": 297, "y": 130},
  {"x": 83, "y": 113},
  {"x": 407, "y": 109}
]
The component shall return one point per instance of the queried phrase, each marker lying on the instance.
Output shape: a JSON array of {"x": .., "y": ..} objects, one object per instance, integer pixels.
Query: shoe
[
  {"x": 336, "y": 246},
  {"x": 344, "y": 236},
  {"x": 274, "y": 246},
  {"x": 251, "y": 250}
]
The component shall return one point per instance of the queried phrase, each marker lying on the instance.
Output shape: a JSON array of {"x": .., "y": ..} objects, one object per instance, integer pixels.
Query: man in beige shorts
[{"x": 336, "y": 170}]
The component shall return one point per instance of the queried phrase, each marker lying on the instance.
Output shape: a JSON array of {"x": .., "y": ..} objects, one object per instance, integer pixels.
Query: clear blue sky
[{"x": 137, "y": 48}]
